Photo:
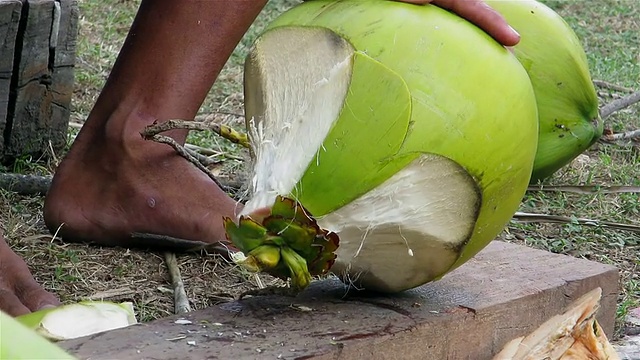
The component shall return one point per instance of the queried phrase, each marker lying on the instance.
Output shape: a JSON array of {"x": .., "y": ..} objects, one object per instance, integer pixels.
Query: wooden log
[
  {"x": 42, "y": 78},
  {"x": 9, "y": 20},
  {"x": 505, "y": 292},
  {"x": 63, "y": 72}
]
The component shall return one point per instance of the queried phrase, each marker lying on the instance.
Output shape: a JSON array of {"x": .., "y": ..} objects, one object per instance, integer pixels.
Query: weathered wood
[
  {"x": 9, "y": 21},
  {"x": 42, "y": 79},
  {"x": 63, "y": 72},
  {"x": 505, "y": 292}
]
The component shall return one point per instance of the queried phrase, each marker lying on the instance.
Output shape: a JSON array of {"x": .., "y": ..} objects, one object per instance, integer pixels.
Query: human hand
[
  {"x": 479, "y": 13},
  {"x": 19, "y": 292}
]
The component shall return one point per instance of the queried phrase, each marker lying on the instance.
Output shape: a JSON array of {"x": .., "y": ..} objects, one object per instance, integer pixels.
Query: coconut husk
[{"x": 574, "y": 335}]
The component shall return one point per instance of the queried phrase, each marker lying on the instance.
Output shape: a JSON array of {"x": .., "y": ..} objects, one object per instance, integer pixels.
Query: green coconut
[
  {"x": 403, "y": 129},
  {"x": 18, "y": 342},
  {"x": 79, "y": 319},
  {"x": 556, "y": 63}
]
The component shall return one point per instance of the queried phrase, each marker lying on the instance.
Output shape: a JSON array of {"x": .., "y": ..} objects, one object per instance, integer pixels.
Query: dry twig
[
  {"x": 185, "y": 154},
  {"x": 633, "y": 134},
  {"x": 586, "y": 189},
  {"x": 180, "y": 300},
  {"x": 610, "y": 86},
  {"x": 544, "y": 218},
  {"x": 222, "y": 130}
]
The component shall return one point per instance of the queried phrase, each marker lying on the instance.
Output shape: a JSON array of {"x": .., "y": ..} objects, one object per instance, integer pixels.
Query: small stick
[
  {"x": 608, "y": 85},
  {"x": 622, "y": 136},
  {"x": 544, "y": 218},
  {"x": 586, "y": 189},
  {"x": 204, "y": 160},
  {"x": 222, "y": 130},
  {"x": 619, "y": 104},
  {"x": 180, "y": 300},
  {"x": 185, "y": 154},
  {"x": 209, "y": 152}
]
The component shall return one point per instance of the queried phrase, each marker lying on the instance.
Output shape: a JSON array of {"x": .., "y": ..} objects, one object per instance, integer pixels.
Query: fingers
[
  {"x": 482, "y": 15},
  {"x": 479, "y": 13},
  {"x": 10, "y": 303},
  {"x": 34, "y": 297},
  {"x": 19, "y": 292}
]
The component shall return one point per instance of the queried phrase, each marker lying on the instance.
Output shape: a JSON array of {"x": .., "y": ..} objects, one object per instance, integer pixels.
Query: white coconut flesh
[
  {"x": 80, "y": 319},
  {"x": 401, "y": 234},
  {"x": 292, "y": 104},
  {"x": 409, "y": 230}
]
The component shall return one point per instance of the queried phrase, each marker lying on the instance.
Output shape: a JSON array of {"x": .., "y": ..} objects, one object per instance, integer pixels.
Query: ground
[{"x": 609, "y": 31}]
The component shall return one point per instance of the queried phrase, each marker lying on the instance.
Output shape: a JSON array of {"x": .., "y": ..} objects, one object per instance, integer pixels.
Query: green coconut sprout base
[{"x": 287, "y": 244}]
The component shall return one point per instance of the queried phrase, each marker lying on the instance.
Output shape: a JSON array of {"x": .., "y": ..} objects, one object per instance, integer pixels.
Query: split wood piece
[
  {"x": 504, "y": 292},
  {"x": 180, "y": 299},
  {"x": 573, "y": 335},
  {"x": 10, "y": 11},
  {"x": 41, "y": 78}
]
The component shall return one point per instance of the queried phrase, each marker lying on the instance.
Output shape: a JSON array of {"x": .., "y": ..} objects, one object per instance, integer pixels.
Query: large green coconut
[{"x": 403, "y": 129}]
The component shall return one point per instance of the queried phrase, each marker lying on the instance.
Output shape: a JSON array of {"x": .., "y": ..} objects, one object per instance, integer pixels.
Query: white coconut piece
[
  {"x": 80, "y": 319},
  {"x": 288, "y": 133},
  {"x": 424, "y": 214}
]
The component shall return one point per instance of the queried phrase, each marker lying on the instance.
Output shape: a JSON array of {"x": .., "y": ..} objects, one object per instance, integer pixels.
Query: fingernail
[{"x": 46, "y": 306}]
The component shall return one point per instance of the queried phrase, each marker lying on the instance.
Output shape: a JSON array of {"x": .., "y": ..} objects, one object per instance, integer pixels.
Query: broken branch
[
  {"x": 180, "y": 299},
  {"x": 544, "y": 218},
  {"x": 222, "y": 130},
  {"x": 619, "y": 104},
  {"x": 39, "y": 185},
  {"x": 25, "y": 184},
  {"x": 622, "y": 136}
]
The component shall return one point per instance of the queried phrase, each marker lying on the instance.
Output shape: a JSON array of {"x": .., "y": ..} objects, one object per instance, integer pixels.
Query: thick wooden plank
[
  {"x": 9, "y": 21},
  {"x": 31, "y": 115},
  {"x": 62, "y": 85},
  {"x": 43, "y": 87},
  {"x": 505, "y": 292}
]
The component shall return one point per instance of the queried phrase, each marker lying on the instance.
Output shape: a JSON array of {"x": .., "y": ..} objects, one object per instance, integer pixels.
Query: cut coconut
[
  {"x": 370, "y": 116},
  {"x": 285, "y": 138},
  {"x": 424, "y": 214},
  {"x": 80, "y": 319}
]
